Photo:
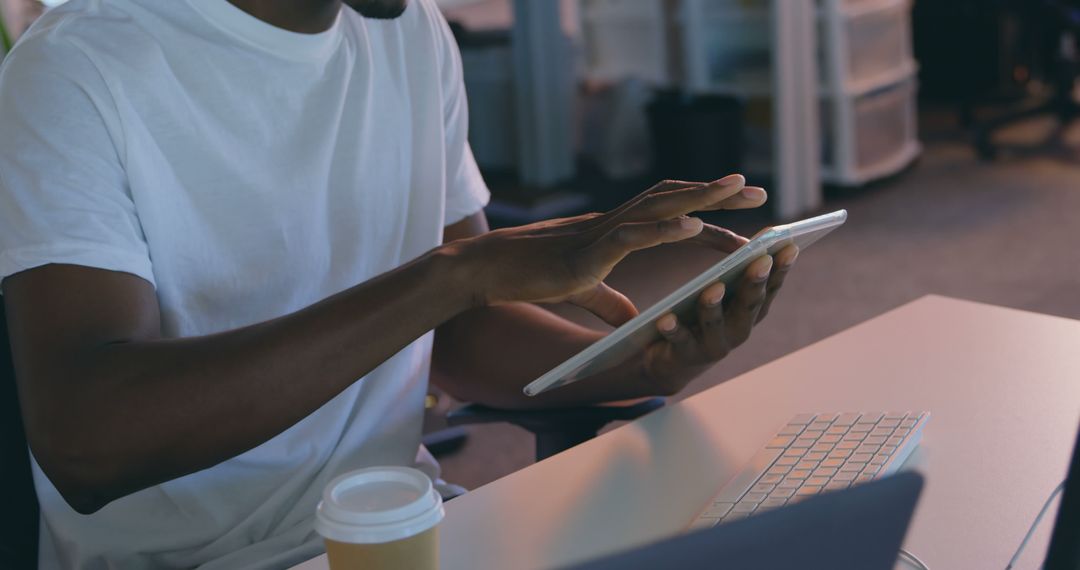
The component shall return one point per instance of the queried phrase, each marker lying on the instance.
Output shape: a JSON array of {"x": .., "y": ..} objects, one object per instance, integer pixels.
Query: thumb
[{"x": 610, "y": 305}]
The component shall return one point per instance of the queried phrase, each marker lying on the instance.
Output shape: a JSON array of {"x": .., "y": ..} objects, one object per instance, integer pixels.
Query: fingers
[
  {"x": 679, "y": 202},
  {"x": 571, "y": 224},
  {"x": 610, "y": 305},
  {"x": 659, "y": 187},
  {"x": 749, "y": 298},
  {"x": 663, "y": 186},
  {"x": 712, "y": 322},
  {"x": 638, "y": 208},
  {"x": 682, "y": 340},
  {"x": 748, "y": 197},
  {"x": 783, "y": 263},
  {"x": 720, "y": 239},
  {"x": 619, "y": 242}
]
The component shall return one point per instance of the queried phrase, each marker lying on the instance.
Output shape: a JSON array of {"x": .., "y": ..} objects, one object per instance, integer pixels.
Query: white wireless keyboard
[{"x": 816, "y": 453}]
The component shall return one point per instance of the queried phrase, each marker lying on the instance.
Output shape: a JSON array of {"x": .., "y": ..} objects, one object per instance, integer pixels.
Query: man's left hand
[{"x": 724, "y": 321}]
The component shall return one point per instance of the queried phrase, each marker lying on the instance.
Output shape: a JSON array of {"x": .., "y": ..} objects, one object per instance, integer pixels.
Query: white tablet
[{"x": 639, "y": 332}]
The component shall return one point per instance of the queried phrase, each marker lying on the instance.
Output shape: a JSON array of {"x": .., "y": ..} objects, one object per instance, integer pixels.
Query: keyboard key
[
  {"x": 888, "y": 449},
  {"x": 791, "y": 430},
  {"x": 826, "y": 417},
  {"x": 785, "y": 493},
  {"x": 824, "y": 472},
  {"x": 819, "y": 425},
  {"x": 763, "y": 488},
  {"x": 846, "y": 420},
  {"x": 829, "y": 439},
  {"x": 753, "y": 497},
  {"x": 871, "y": 470},
  {"x": 816, "y": 482},
  {"x": 836, "y": 485},
  {"x": 802, "y": 419},
  {"x": 789, "y": 483},
  {"x": 896, "y": 416},
  {"x": 882, "y": 432},
  {"x": 832, "y": 463},
  {"x": 808, "y": 465},
  {"x": 845, "y": 476},
  {"x": 847, "y": 445},
  {"x": 812, "y": 434},
  {"x": 855, "y": 466},
  {"x": 787, "y": 461},
  {"x": 744, "y": 507},
  {"x": 814, "y": 456},
  {"x": 772, "y": 503},
  {"x": 749, "y": 475},
  {"x": 875, "y": 440},
  {"x": 803, "y": 442},
  {"x": 836, "y": 430},
  {"x": 879, "y": 460},
  {"x": 799, "y": 473},
  {"x": 867, "y": 448},
  {"x": 781, "y": 441},
  {"x": 718, "y": 510},
  {"x": 862, "y": 427},
  {"x": 808, "y": 490},
  {"x": 701, "y": 523},
  {"x": 855, "y": 436},
  {"x": 821, "y": 448},
  {"x": 871, "y": 417},
  {"x": 861, "y": 456},
  {"x": 770, "y": 479},
  {"x": 887, "y": 423},
  {"x": 839, "y": 453}
]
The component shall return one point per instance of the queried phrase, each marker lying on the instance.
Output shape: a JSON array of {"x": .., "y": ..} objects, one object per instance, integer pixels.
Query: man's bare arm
[{"x": 111, "y": 408}]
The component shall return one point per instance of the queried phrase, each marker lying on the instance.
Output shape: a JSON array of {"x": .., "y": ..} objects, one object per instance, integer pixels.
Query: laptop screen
[{"x": 1064, "y": 552}]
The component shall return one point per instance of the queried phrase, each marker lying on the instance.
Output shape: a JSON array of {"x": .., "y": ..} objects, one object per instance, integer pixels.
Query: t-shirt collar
[{"x": 284, "y": 43}]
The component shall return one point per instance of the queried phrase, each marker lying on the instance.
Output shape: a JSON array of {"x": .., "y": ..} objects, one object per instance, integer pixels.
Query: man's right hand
[
  {"x": 568, "y": 259},
  {"x": 91, "y": 360}
]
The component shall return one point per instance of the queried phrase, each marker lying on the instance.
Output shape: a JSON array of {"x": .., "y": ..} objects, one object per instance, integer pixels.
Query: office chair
[
  {"x": 1059, "y": 21},
  {"x": 558, "y": 429},
  {"x": 19, "y": 510}
]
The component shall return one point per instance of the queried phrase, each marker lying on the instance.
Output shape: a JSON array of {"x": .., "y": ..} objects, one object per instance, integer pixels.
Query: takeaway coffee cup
[{"x": 381, "y": 518}]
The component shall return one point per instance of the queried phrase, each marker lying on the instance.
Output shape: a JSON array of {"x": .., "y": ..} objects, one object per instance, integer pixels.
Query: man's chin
[{"x": 380, "y": 9}]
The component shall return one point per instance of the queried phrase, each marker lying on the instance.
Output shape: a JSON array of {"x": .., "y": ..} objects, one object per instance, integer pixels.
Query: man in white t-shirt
[{"x": 228, "y": 230}]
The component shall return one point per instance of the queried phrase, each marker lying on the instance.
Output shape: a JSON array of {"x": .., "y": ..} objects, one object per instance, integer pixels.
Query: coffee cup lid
[{"x": 378, "y": 504}]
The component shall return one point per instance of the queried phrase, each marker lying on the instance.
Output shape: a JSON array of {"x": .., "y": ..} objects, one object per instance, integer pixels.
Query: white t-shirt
[{"x": 246, "y": 172}]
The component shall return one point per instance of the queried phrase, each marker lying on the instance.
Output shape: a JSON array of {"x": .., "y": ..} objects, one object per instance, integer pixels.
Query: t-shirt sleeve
[
  {"x": 466, "y": 192},
  {"x": 64, "y": 196}
]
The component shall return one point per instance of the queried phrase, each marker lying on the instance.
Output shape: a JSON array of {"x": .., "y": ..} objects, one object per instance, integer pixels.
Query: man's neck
[{"x": 303, "y": 16}]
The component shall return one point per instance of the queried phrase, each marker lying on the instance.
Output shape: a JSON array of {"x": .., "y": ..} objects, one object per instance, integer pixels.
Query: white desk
[{"x": 1003, "y": 387}]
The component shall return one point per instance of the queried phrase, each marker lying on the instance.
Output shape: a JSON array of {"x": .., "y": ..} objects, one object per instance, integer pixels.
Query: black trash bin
[{"x": 696, "y": 137}]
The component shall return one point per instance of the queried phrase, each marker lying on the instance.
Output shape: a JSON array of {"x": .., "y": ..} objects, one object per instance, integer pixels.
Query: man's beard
[{"x": 380, "y": 9}]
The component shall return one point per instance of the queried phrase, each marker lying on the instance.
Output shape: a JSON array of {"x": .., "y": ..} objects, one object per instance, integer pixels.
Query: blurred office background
[
  {"x": 907, "y": 117},
  {"x": 943, "y": 126}
]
